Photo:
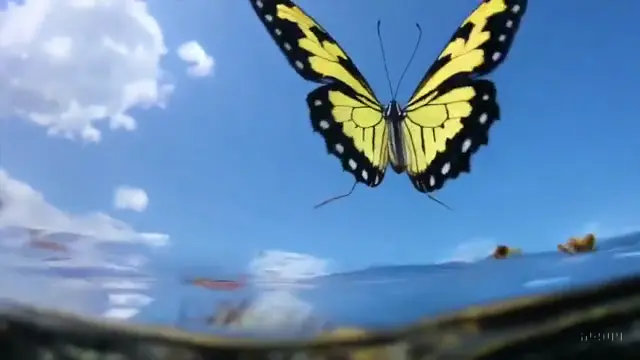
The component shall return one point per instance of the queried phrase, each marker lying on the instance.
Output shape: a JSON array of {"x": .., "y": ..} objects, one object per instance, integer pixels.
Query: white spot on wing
[
  {"x": 268, "y": 17},
  {"x": 317, "y": 102},
  {"x": 287, "y": 46},
  {"x": 365, "y": 174},
  {"x": 485, "y": 97},
  {"x": 324, "y": 124},
  {"x": 445, "y": 169},
  {"x": 502, "y": 37},
  {"x": 483, "y": 118},
  {"x": 466, "y": 144},
  {"x": 509, "y": 23},
  {"x": 376, "y": 181},
  {"x": 352, "y": 164},
  {"x": 496, "y": 56},
  {"x": 300, "y": 65},
  {"x": 339, "y": 148},
  {"x": 277, "y": 32},
  {"x": 515, "y": 9},
  {"x": 259, "y": 4},
  {"x": 432, "y": 181}
]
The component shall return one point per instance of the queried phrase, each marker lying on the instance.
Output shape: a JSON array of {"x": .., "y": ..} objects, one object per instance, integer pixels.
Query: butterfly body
[
  {"x": 444, "y": 122},
  {"x": 394, "y": 115}
]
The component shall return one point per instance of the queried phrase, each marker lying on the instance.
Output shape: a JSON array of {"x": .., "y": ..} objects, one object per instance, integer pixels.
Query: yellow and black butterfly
[{"x": 444, "y": 122}]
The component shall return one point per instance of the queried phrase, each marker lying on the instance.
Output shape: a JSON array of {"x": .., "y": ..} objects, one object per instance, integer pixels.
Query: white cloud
[
  {"x": 473, "y": 250},
  {"x": 127, "y": 197},
  {"x": 281, "y": 266},
  {"x": 71, "y": 287},
  {"x": 606, "y": 229},
  {"x": 129, "y": 299},
  {"x": 276, "y": 310},
  {"x": 277, "y": 305},
  {"x": 68, "y": 65},
  {"x": 192, "y": 53},
  {"x": 81, "y": 297},
  {"x": 95, "y": 273},
  {"x": 25, "y": 207}
]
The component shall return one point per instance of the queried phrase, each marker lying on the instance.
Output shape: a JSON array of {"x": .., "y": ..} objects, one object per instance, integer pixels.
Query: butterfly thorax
[{"x": 394, "y": 115}]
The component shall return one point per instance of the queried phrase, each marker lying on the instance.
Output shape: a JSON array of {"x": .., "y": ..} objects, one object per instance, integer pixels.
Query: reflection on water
[
  {"x": 72, "y": 272},
  {"x": 281, "y": 294},
  {"x": 265, "y": 301}
]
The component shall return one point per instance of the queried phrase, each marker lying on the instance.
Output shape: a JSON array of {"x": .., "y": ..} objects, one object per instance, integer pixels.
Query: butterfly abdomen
[{"x": 397, "y": 150}]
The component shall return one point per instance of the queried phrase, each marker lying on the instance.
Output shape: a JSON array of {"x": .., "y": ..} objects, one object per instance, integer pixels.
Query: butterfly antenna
[
  {"x": 384, "y": 60},
  {"x": 415, "y": 49},
  {"x": 440, "y": 202},
  {"x": 337, "y": 197}
]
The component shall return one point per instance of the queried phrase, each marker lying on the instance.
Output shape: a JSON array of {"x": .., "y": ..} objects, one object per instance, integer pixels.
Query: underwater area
[
  {"x": 111, "y": 305},
  {"x": 276, "y": 307}
]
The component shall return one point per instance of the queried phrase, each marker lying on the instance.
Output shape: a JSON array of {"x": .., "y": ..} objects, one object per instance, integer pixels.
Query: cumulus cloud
[
  {"x": 25, "y": 207},
  {"x": 275, "y": 266},
  {"x": 95, "y": 269},
  {"x": 192, "y": 53},
  {"x": 277, "y": 306},
  {"x": 131, "y": 198},
  {"x": 89, "y": 281},
  {"x": 68, "y": 65}
]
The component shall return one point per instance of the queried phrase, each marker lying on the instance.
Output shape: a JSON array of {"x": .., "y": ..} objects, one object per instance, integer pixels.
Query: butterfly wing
[
  {"x": 354, "y": 131},
  {"x": 449, "y": 115},
  {"x": 344, "y": 110}
]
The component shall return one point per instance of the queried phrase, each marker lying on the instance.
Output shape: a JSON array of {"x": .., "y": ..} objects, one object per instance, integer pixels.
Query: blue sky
[{"x": 232, "y": 167}]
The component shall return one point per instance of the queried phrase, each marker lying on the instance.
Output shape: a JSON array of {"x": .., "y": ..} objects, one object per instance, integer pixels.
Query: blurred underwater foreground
[{"x": 64, "y": 297}]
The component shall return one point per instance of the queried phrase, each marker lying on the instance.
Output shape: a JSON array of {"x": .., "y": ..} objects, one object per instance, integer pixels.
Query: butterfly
[{"x": 446, "y": 119}]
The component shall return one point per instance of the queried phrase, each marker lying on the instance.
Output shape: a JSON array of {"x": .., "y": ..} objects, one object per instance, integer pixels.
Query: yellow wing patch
[
  {"x": 432, "y": 125},
  {"x": 449, "y": 114},
  {"x": 353, "y": 131}
]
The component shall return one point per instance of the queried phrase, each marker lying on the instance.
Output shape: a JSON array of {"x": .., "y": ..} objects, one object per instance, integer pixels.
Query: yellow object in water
[
  {"x": 503, "y": 252},
  {"x": 579, "y": 245}
]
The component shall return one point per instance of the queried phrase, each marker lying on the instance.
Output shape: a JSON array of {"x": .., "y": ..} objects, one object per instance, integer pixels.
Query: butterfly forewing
[
  {"x": 310, "y": 50},
  {"x": 345, "y": 110}
]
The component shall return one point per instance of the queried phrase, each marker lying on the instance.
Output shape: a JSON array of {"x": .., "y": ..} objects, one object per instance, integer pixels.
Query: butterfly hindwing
[
  {"x": 353, "y": 131},
  {"x": 443, "y": 135},
  {"x": 449, "y": 114}
]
